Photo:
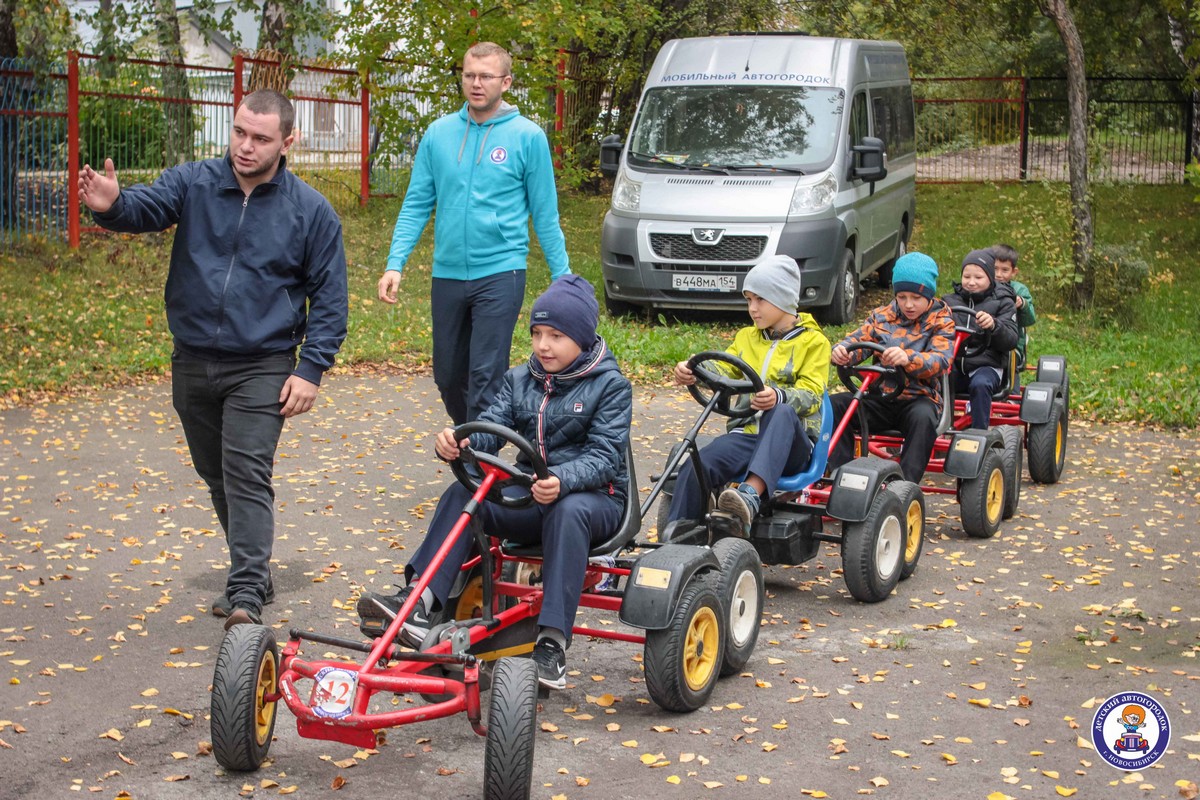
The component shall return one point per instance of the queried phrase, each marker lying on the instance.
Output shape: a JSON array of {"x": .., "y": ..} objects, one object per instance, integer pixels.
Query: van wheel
[
  {"x": 844, "y": 303},
  {"x": 618, "y": 308},
  {"x": 884, "y": 276}
]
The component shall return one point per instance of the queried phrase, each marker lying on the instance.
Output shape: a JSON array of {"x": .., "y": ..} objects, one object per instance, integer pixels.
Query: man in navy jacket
[{"x": 257, "y": 271}]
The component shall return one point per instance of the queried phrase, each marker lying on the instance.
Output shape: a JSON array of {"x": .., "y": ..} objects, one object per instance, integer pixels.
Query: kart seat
[
  {"x": 1010, "y": 379},
  {"x": 944, "y": 421},
  {"x": 820, "y": 454},
  {"x": 631, "y": 523}
]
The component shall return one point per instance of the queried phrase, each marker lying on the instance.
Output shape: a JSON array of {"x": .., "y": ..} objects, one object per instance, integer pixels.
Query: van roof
[{"x": 777, "y": 59}]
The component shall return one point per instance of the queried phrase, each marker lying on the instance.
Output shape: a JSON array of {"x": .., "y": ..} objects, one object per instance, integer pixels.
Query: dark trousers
[
  {"x": 567, "y": 529},
  {"x": 473, "y": 325},
  {"x": 780, "y": 447},
  {"x": 230, "y": 415},
  {"x": 980, "y": 387},
  {"x": 916, "y": 419}
]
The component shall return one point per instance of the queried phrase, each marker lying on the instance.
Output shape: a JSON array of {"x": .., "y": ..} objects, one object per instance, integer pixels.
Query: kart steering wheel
[
  {"x": 509, "y": 475},
  {"x": 970, "y": 327},
  {"x": 894, "y": 378},
  {"x": 722, "y": 385}
]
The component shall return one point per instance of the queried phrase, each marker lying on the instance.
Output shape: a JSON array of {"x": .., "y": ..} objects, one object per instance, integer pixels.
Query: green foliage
[
  {"x": 1120, "y": 277},
  {"x": 1191, "y": 174},
  {"x": 112, "y": 125}
]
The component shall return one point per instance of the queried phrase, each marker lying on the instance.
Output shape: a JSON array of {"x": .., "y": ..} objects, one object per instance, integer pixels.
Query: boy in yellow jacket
[{"x": 791, "y": 355}]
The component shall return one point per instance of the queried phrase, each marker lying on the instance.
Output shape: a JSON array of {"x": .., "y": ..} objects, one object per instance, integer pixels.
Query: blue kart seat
[
  {"x": 820, "y": 454},
  {"x": 631, "y": 523}
]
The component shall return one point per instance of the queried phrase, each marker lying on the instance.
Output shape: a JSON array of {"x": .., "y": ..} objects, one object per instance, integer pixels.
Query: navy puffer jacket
[
  {"x": 988, "y": 348},
  {"x": 578, "y": 419}
]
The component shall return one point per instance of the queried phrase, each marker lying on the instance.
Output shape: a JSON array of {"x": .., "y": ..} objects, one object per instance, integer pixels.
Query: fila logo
[{"x": 579, "y": 408}]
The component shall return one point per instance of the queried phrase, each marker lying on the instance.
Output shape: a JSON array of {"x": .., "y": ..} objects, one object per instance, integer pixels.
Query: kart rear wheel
[
  {"x": 741, "y": 589},
  {"x": 242, "y": 721},
  {"x": 981, "y": 499},
  {"x": 1014, "y": 454},
  {"x": 873, "y": 550},
  {"x": 683, "y": 660},
  {"x": 1048, "y": 445},
  {"x": 511, "y": 731},
  {"x": 912, "y": 506}
]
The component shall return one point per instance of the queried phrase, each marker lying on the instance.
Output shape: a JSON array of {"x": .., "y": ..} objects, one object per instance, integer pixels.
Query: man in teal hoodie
[{"x": 487, "y": 170}]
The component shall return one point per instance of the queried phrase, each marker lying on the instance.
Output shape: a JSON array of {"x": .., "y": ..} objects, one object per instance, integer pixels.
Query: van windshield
[{"x": 737, "y": 126}]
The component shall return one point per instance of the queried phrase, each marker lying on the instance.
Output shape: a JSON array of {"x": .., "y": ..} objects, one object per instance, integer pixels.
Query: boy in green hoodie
[
  {"x": 1006, "y": 272},
  {"x": 791, "y": 354}
]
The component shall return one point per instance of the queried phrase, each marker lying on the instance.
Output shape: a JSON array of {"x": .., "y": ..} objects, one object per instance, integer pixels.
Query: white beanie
[{"x": 775, "y": 279}]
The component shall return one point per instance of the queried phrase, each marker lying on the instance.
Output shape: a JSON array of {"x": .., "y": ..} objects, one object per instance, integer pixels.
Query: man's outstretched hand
[{"x": 99, "y": 192}]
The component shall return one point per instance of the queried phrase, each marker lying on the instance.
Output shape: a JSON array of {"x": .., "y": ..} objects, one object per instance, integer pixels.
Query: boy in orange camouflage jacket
[{"x": 918, "y": 331}]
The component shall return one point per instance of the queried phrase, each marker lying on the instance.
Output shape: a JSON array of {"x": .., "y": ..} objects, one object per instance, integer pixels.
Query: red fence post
[
  {"x": 364, "y": 190},
  {"x": 238, "y": 64},
  {"x": 73, "y": 149}
]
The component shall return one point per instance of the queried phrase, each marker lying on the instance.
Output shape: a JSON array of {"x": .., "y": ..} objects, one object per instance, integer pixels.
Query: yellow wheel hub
[
  {"x": 700, "y": 649},
  {"x": 995, "y": 494},
  {"x": 470, "y": 602},
  {"x": 916, "y": 530},
  {"x": 264, "y": 712}
]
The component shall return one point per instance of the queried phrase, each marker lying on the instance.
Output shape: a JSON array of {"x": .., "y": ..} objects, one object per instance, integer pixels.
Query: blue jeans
[
  {"x": 983, "y": 383},
  {"x": 230, "y": 415},
  {"x": 473, "y": 324},
  {"x": 781, "y": 447},
  {"x": 566, "y": 529}
]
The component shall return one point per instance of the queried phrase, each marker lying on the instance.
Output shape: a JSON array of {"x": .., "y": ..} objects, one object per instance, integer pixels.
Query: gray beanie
[{"x": 775, "y": 279}]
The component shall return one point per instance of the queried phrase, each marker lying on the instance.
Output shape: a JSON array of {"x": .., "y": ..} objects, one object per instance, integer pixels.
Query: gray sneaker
[
  {"x": 742, "y": 503},
  {"x": 221, "y": 606},
  {"x": 551, "y": 663},
  {"x": 373, "y": 620}
]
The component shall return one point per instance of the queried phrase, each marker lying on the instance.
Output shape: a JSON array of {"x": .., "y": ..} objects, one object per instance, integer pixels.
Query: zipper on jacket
[
  {"x": 229, "y": 273},
  {"x": 541, "y": 418}
]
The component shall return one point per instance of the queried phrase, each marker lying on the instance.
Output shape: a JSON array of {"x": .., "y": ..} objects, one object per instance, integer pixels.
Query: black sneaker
[
  {"x": 742, "y": 503},
  {"x": 222, "y": 606},
  {"x": 240, "y": 615},
  {"x": 373, "y": 620},
  {"x": 551, "y": 663}
]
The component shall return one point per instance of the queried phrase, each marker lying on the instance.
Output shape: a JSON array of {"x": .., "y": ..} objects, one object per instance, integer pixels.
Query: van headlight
[
  {"x": 627, "y": 194},
  {"x": 811, "y": 197}
]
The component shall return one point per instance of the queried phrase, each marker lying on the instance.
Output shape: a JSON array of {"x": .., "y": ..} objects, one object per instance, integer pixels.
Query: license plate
[{"x": 704, "y": 283}]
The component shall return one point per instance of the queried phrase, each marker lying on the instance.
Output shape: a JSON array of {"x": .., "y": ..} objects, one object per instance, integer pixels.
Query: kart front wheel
[
  {"x": 981, "y": 499},
  {"x": 243, "y": 722},
  {"x": 683, "y": 660},
  {"x": 912, "y": 506},
  {"x": 741, "y": 589},
  {"x": 1048, "y": 445},
  {"x": 873, "y": 550},
  {"x": 511, "y": 732},
  {"x": 1014, "y": 453}
]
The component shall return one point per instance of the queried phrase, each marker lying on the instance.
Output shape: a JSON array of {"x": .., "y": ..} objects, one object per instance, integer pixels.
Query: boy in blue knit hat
[
  {"x": 917, "y": 331},
  {"x": 571, "y": 402}
]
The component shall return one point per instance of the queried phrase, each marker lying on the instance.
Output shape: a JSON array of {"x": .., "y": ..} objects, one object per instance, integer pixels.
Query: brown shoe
[{"x": 242, "y": 616}]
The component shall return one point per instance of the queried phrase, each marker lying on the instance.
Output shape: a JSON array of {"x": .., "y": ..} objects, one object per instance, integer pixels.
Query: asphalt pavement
[{"x": 978, "y": 678}]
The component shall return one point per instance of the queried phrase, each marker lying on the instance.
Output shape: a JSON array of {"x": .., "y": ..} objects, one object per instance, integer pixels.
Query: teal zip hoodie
[{"x": 485, "y": 181}]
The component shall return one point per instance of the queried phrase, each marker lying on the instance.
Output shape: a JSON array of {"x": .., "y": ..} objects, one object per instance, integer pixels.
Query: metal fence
[{"x": 1015, "y": 129}]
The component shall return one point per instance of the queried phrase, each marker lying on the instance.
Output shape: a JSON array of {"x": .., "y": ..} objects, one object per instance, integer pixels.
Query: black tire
[
  {"x": 511, "y": 730},
  {"x": 883, "y": 276},
  {"x": 742, "y": 594},
  {"x": 912, "y": 511},
  {"x": 242, "y": 724},
  {"x": 1014, "y": 463},
  {"x": 981, "y": 499},
  {"x": 618, "y": 308},
  {"x": 683, "y": 661},
  {"x": 1047, "y": 444},
  {"x": 843, "y": 305},
  {"x": 873, "y": 550}
]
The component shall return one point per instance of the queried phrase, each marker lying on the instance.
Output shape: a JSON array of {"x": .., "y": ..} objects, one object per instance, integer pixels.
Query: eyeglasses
[{"x": 470, "y": 77}]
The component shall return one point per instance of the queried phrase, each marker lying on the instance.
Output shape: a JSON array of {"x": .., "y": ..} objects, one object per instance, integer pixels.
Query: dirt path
[{"x": 978, "y": 678}]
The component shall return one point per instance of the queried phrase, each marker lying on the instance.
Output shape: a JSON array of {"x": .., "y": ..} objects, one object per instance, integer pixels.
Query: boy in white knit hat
[{"x": 791, "y": 355}]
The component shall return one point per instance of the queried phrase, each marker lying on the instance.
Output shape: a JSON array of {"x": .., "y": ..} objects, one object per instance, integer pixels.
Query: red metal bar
[
  {"x": 31, "y": 114},
  {"x": 152, "y": 63},
  {"x": 364, "y": 169},
  {"x": 73, "y": 150},
  {"x": 238, "y": 65},
  {"x": 149, "y": 98}
]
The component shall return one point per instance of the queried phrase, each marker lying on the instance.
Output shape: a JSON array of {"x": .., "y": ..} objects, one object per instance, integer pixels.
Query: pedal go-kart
[
  {"x": 1131, "y": 743},
  {"x": 682, "y": 597},
  {"x": 882, "y": 516}
]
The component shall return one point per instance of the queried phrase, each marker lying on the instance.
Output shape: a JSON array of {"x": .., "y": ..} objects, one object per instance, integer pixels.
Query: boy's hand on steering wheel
[
  {"x": 684, "y": 375},
  {"x": 445, "y": 445},
  {"x": 985, "y": 320},
  {"x": 894, "y": 357},
  {"x": 764, "y": 400},
  {"x": 840, "y": 356},
  {"x": 546, "y": 491}
]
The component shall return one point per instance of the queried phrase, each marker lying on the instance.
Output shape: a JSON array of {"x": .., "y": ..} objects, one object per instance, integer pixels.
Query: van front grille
[
  {"x": 727, "y": 269},
  {"x": 747, "y": 182},
  {"x": 690, "y": 181},
  {"x": 731, "y": 248}
]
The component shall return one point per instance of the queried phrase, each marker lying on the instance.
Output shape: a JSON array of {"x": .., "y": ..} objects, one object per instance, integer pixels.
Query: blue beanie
[
  {"x": 917, "y": 273},
  {"x": 569, "y": 305}
]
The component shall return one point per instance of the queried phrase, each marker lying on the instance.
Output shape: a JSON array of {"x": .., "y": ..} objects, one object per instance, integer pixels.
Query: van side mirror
[
  {"x": 868, "y": 162},
  {"x": 610, "y": 155}
]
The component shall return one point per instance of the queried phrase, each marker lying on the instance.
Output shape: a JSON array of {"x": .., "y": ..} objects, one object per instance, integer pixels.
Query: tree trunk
[
  {"x": 1182, "y": 40},
  {"x": 8, "y": 123},
  {"x": 275, "y": 41},
  {"x": 180, "y": 128},
  {"x": 107, "y": 45},
  {"x": 1082, "y": 236}
]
